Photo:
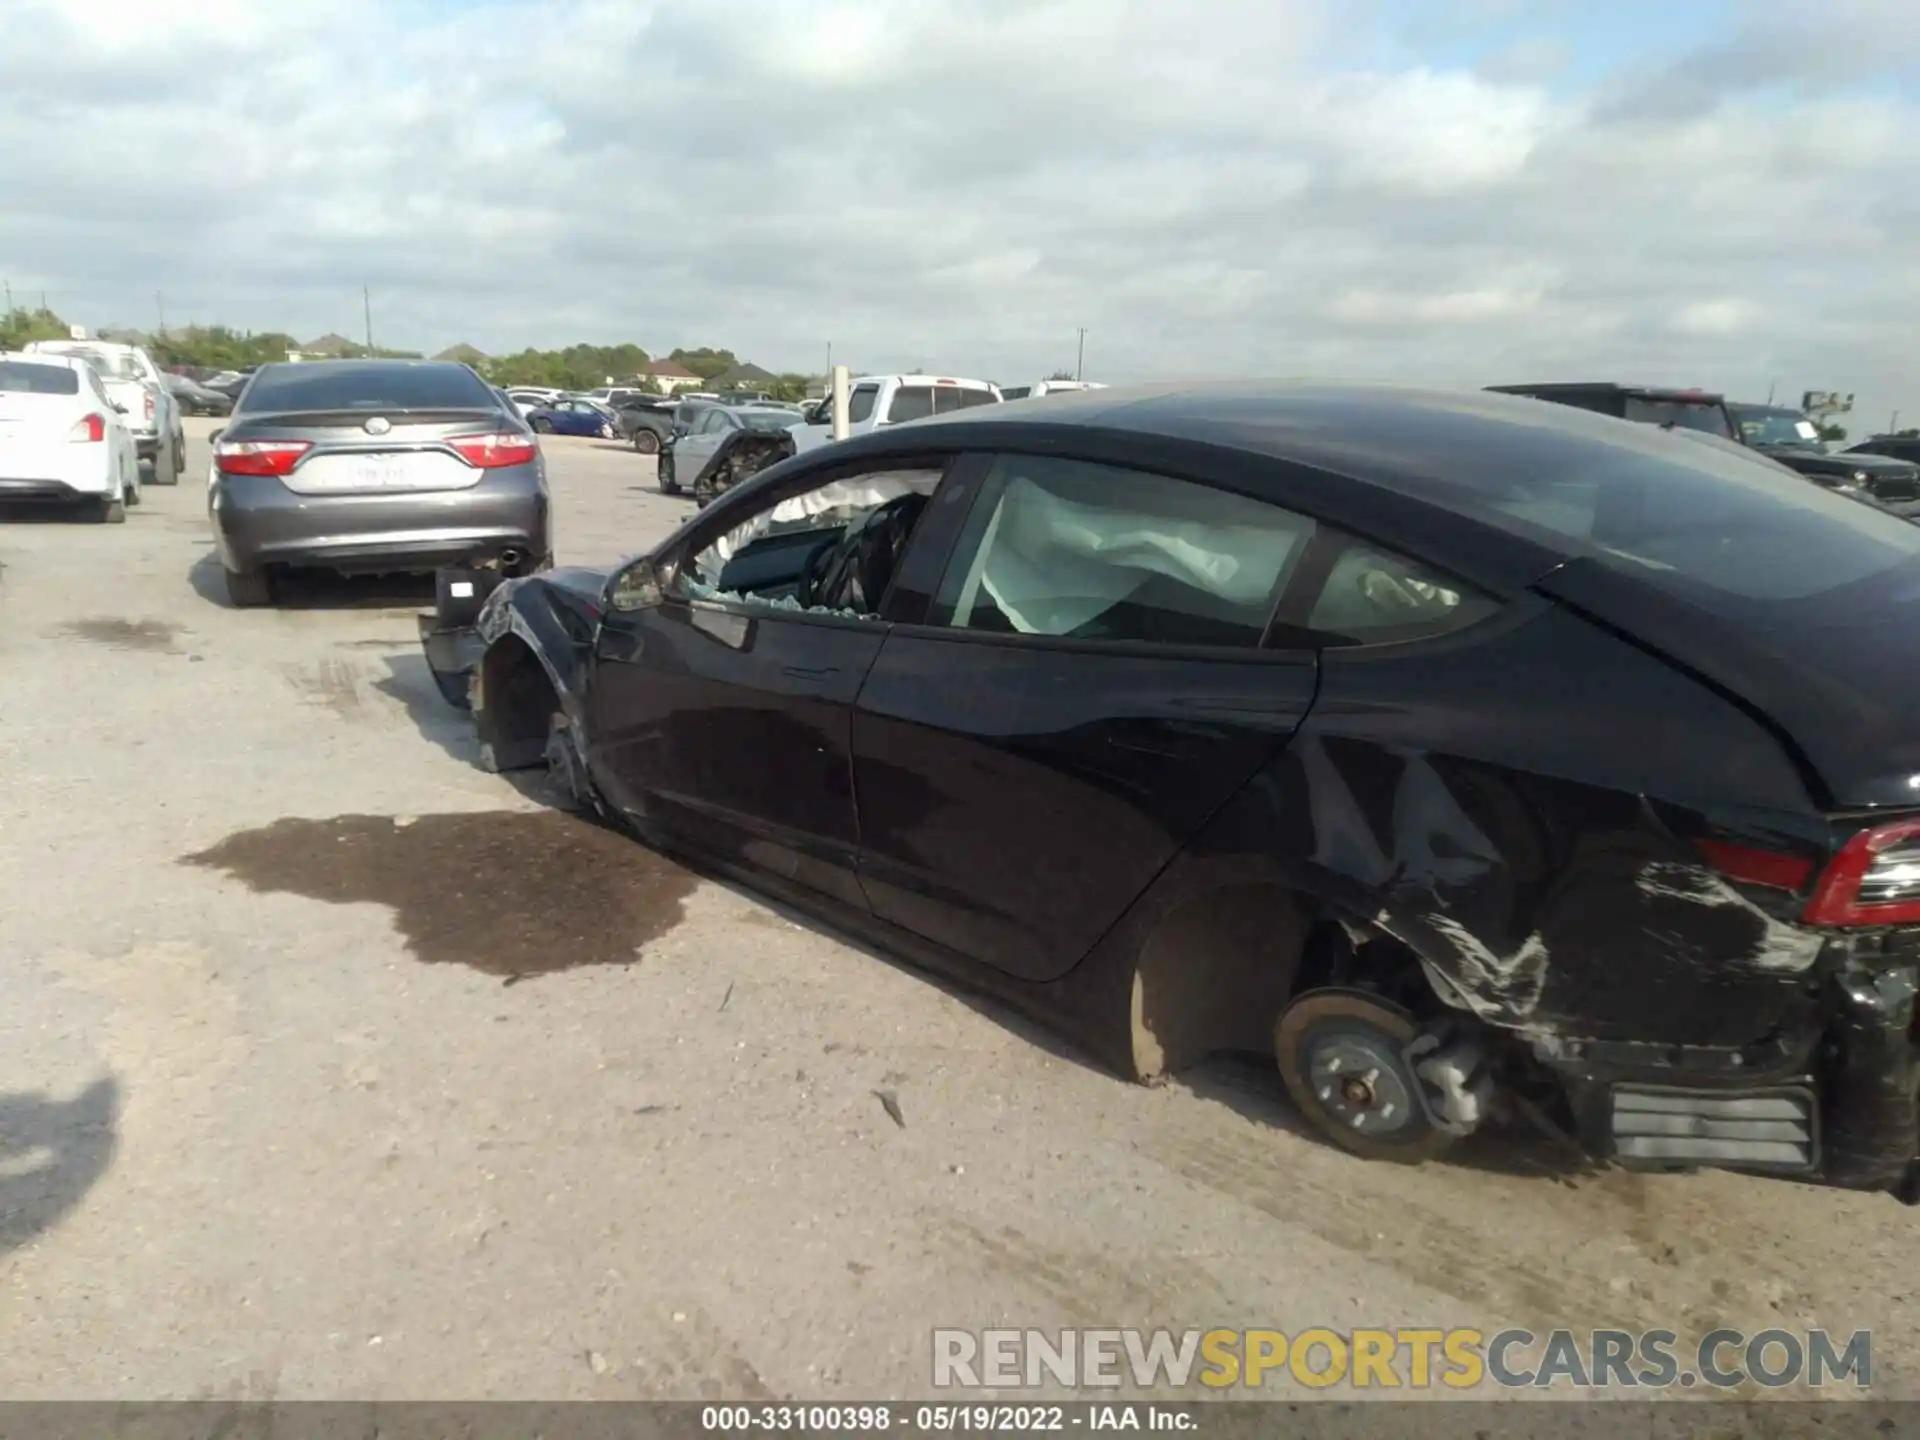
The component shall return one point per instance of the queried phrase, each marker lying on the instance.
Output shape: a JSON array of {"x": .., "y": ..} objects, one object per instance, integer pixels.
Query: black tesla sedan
[{"x": 1473, "y": 757}]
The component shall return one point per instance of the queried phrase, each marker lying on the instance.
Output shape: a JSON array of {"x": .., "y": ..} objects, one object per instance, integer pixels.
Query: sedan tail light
[
  {"x": 258, "y": 457},
  {"x": 495, "y": 451},
  {"x": 1874, "y": 880},
  {"x": 90, "y": 431}
]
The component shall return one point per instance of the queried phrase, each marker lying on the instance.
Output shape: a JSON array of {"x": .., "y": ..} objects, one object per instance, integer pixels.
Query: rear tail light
[
  {"x": 492, "y": 452},
  {"x": 90, "y": 431},
  {"x": 1874, "y": 880},
  {"x": 258, "y": 457}
]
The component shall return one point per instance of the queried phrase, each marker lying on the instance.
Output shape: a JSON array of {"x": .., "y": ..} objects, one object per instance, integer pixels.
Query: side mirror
[
  {"x": 214, "y": 438},
  {"x": 120, "y": 410},
  {"x": 635, "y": 586}
]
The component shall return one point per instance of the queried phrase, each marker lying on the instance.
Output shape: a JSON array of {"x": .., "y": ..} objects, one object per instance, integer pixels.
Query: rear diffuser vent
[{"x": 1749, "y": 1130}]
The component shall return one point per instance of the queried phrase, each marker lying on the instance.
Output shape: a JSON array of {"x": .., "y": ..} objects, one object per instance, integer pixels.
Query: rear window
[
  {"x": 19, "y": 377},
  {"x": 1720, "y": 527},
  {"x": 1710, "y": 419},
  {"x": 368, "y": 387},
  {"x": 916, "y": 402}
]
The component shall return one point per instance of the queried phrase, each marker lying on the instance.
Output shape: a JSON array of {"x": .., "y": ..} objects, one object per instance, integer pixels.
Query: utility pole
[
  {"x": 160, "y": 304},
  {"x": 9, "y": 285},
  {"x": 1771, "y": 384},
  {"x": 1893, "y": 425},
  {"x": 366, "y": 305},
  {"x": 1080, "y": 362}
]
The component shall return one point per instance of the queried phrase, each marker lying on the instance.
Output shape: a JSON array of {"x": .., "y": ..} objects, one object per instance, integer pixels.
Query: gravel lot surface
[{"x": 331, "y": 1066}]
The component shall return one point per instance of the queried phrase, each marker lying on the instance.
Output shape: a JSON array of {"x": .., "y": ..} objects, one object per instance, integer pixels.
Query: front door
[
  {"x": 723, "y": 714},
  {"x": 1093, "y": 685}
]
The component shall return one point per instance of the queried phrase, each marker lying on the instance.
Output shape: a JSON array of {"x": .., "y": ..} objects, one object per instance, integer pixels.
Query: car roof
[
  {"x": 1335, "y": 447},
  {"x": 46, "y": 357},
  {"x": 923, "y": 380},
  {"x": 56, "y": 347},
  {"x": 359, "y": 367},
  {"x": 1748, "y": 407}
]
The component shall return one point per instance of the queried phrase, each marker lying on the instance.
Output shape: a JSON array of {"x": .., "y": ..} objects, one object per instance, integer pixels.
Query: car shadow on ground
[
  {"x": 321, "y": 589},
  {"x": 51, "y": 1153},
  {"x": 47, "y": 512}
]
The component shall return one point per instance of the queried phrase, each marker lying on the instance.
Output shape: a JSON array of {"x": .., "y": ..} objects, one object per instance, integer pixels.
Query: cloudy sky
[{"x": 1451, "y": 191}]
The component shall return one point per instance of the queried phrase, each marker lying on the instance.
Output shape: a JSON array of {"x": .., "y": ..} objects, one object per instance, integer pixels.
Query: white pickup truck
[
  {"x": 876, "y": 400},
  {"x": 134, "y": 386}
]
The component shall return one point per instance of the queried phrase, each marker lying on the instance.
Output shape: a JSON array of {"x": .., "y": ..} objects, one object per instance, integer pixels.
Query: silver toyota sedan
[{"x": 374, "y": 467}]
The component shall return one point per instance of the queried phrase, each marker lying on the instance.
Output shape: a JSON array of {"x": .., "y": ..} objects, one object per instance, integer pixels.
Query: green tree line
[{"x": 574, "y": 367}]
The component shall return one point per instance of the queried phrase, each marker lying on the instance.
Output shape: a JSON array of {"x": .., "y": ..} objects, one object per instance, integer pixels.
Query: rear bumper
[
  {"x": 1834, "y": 1100},
  {"x": 58, "y": 472},
  {"x": 54, "y": 492},
  {"x": 258, "y": 521}
]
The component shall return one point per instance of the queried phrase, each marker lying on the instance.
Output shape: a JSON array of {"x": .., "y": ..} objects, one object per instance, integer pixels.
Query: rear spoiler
[{"x": 453, "y": 646}]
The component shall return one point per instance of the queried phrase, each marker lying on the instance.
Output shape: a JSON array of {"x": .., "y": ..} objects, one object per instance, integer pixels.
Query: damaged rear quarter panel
[{"x": 1514, "y": 804}]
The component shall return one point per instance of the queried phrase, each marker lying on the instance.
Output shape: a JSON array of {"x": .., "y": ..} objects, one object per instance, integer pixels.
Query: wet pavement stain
[
  {"x": 511, "y": 893},
  {"x": 123, "y": 634}
]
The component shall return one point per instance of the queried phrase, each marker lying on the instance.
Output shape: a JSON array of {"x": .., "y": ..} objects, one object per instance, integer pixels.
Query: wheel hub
[{"x": 1360, "y": 1081}]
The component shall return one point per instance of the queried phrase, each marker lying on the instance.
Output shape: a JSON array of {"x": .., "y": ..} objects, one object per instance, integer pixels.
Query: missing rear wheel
[{"x": 1342, "y": 1057}]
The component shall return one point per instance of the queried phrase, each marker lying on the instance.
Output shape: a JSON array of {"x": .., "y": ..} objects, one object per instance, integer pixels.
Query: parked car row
[{"x": 1868, "y": 472}]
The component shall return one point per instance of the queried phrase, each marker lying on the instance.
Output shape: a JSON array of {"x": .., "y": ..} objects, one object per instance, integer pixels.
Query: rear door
[
  {"x": 1094, "y": 680},
  {"x": 692, "y": 455}
]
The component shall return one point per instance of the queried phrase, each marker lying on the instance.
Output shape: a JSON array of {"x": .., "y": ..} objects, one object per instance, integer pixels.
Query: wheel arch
[
  {"x": 519, "y": 683},
  {"x": 514, "y": 698}
]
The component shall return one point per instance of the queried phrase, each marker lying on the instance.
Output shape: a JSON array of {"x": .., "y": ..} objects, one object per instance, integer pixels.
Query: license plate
[{"x": 375, "y": 474}]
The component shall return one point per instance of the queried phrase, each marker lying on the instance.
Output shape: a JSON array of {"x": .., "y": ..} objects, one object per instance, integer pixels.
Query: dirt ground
[{"x": 331, "y": 1066}]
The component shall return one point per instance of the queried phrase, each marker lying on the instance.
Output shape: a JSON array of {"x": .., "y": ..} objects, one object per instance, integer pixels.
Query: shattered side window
[
  {"x": 1077, "y": 550},
  {"x": 761, "y": 560}
]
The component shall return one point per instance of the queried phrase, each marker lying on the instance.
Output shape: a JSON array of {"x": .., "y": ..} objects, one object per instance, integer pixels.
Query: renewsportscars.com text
[{"x": 1411, "y": 1358}]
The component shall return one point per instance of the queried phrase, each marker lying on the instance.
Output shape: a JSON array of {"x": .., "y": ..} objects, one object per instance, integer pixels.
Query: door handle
[{"x": 801, "y": 672}]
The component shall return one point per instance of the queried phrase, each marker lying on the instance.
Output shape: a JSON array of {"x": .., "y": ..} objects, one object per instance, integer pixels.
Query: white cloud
[{"x": 961, "y": 186}]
